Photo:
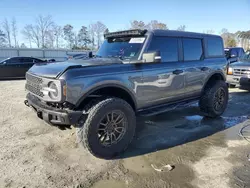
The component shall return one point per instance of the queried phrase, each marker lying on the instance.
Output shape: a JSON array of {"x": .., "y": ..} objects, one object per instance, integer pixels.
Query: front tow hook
[{"x": 26, "y": 103}]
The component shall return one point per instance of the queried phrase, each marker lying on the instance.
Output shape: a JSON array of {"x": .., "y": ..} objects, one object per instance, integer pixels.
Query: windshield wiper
[{"x": 116, "y": 56}]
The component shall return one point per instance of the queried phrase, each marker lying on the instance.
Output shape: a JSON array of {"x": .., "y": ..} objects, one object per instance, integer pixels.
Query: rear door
[
  {"x": 27, "y": 63},
  {"x": 193, "y": 66}
]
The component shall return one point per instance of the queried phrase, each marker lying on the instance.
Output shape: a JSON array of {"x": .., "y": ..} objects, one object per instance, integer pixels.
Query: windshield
[
  {"x": 246, "y": 56},
  {"x": 4, "y": 60},
  {"x": 126, "y": 48}
]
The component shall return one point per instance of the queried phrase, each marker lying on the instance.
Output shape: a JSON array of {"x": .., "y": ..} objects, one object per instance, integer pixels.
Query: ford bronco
[{"x": 134, "y": 73}]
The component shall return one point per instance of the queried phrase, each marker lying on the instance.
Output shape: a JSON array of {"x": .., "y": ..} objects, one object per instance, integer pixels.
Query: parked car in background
[
  {"x": 16, "y": 67},
  {"x": 233, "y": 54},
  {"x": 238, "y": 74}
]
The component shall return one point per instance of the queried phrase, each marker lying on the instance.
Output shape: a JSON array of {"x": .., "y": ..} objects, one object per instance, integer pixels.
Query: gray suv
[{"x": 134, "y": 73}]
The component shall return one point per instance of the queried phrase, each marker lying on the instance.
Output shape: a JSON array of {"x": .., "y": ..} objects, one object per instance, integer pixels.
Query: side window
[
  {"x": 215, "y": 46},
  {"x": 167, "y": 46},
  {"x": 14, "y": 60},
  {"x": 27, "y": 60},
  {"x": 234, "y": 52},
  {"x": 192, "y": 49}
]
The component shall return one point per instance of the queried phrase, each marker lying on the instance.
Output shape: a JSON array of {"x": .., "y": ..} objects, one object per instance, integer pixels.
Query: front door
[
  {"x": 10, "y": 68},
  {"x": 163, "y": 82}
]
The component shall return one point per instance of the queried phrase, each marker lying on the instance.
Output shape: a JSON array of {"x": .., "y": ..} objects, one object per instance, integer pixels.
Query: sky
[{"x": 197, "y": 15}]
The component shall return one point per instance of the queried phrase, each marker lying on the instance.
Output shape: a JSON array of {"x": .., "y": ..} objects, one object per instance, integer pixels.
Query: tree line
[{"x": 45, "y": 33}]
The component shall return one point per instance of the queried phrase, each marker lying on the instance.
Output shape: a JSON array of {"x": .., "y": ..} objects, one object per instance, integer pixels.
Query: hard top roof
[
  {"x": 157, "y": 32},
  {"x": 160, "y": 32}
]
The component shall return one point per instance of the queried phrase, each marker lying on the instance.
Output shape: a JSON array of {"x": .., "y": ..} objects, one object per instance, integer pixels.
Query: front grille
[
  {"x": 34, "y": 79},
  {"x": 241, "y": 72},
  {"x": 34, "y": 84}
]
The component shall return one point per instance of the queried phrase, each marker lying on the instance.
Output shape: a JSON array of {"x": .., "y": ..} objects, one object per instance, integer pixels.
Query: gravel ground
[{"x": 204, "y": 152}]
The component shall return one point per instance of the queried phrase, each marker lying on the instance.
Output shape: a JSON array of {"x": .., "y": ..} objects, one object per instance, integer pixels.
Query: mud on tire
[
  {"x": 214, "y": 99},
  {"x": 89, "y": 134}
]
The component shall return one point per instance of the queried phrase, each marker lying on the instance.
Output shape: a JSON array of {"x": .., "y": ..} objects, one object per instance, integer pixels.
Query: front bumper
[
  {"x": 234, "y": 80},
  {"x": 52, "y": 115},
  {"x": 245, "y": 83},
  {"x": 239, "y": 81}
]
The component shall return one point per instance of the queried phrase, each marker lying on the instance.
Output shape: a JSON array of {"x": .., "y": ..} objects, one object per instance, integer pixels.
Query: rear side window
[
  {"x": 192, "y": 49},
  {"x": 167, "y": 46},
  {"x": 214, "y": 47},
  {"x": 27, "y": 60}
]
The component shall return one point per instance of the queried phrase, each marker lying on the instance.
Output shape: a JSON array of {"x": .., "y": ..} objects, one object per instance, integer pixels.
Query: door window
[
  {"x": 167, "y": 46},
  {"x": 192, "y": 49},
  {"x": 27, "y": 60}
]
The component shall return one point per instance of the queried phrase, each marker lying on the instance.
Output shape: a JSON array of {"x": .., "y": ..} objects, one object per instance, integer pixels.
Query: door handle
[{"x": 177, "y": 71}]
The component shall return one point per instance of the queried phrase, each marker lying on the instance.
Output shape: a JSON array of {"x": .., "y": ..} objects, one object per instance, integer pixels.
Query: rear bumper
[{"x": 52, "y": 115}]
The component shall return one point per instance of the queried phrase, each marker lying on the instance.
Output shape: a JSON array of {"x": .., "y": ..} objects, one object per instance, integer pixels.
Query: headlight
[
  {"x": 53, "y": 90},
  {"x": 230, "y": 71}
]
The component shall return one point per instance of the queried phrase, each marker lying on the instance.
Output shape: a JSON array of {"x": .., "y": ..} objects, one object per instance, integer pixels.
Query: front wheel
[
  {"x": 108, "y": 128},
  {"x": 214, "y": 99}
]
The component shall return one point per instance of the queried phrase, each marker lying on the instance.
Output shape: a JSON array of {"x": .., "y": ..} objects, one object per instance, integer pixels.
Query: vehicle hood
[
  {"x": 53, "y": 70},
  {"x": 242, "y": 63}
]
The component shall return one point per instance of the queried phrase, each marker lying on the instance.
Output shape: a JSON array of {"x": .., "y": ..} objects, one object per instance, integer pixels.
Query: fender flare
[
  {"x": 211, "y": 75},
  {"x": 102, "y": 85}
]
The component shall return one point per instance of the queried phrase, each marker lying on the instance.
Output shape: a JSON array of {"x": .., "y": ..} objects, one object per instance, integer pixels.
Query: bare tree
[
  {"x": 181, "y": 28},
  {"x": 23, "y": 46},
  {"x": 44, "y": 24},
  {"x": 92, "y": 35},
  {"x": 83, "y": 37},
  {"x": 69, "y": 34},
  {"x": 209, "y": 31},
  {"x": 154, "y": 24},
  {"x": 99, "y": 29},
  {"x": 2, "y": 39},
  {"x": 58, "y": 32},
  {"x": 32, "y": 34},
  {"x": 14, "y": 31},
  {"x": 137, "y": 25},
  {"x": 75, "y": 36},
  {"x": 50, "y": 39},
  {"x": 6, "y": 27}
]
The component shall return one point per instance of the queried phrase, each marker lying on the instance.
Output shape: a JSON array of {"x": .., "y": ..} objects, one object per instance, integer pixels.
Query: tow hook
[{"x": 26, "y": 103}]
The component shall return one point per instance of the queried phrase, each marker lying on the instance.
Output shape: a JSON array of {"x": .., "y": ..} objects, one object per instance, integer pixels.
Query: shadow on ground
[{"x": 178, "y": 127}]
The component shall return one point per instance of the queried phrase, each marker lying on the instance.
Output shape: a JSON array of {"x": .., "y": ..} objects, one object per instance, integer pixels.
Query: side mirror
[
  {"x": 151, "y": 57},
  {"x": 233, "y": 55},
  {"x": 90, "y": 54}
]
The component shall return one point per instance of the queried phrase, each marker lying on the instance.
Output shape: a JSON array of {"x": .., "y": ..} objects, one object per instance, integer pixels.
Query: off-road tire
[
  {"x": 208, "y": 96},
  {"x": 87, "y": 131}
]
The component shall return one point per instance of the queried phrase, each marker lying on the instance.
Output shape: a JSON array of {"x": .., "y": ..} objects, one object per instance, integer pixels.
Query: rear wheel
[
  {"x": 214, "y": 99},
  {"x": 108, "y": 128}
]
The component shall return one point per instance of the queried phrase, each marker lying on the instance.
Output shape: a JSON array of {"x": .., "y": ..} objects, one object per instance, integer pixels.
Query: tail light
[{"x": 229, "y": 70}]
